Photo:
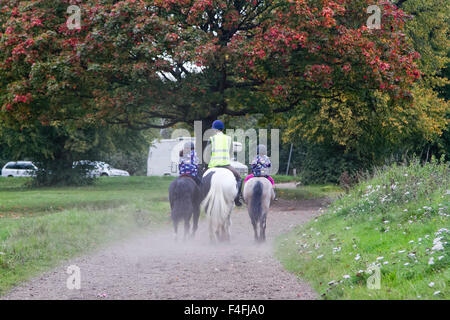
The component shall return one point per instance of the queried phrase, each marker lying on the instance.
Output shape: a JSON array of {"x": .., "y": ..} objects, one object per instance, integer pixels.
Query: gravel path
[{"x": 155, "y": 267}]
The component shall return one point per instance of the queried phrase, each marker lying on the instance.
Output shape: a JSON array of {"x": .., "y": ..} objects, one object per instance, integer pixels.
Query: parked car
[
  {"x": 19, "y": 169},
  {"x": 102, "y": 169}
]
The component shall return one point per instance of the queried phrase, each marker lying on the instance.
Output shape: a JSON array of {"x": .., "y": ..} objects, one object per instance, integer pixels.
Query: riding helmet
[{"x": 218, "y": 125}]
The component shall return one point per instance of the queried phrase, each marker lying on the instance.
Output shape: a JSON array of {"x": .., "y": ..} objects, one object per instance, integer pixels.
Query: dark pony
[{"x": 184, "y": 198}]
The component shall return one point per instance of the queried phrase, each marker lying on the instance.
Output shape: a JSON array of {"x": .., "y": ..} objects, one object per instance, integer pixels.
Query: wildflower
[
  {"x": 431, "y": 284},
  {"x": 401, "y": 251},
  {"x": 441, "y": 231},
  {"x": 431, "y": 261},
  {"x": 440, "y": 258},
  {"x": 320, "y": 257},
  {"x": 406, "y": 264},
  {"x": 436, "y": 293},
  {"x": 380, "y": 258},
  {"x": 357, "y": 257},
  {"x": 437, "y": 244}
]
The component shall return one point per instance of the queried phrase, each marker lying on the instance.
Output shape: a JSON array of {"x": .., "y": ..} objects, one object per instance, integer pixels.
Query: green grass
[
  {"x": 281, "y": 178},
  {"x": 389, "y": 222},
  {"x": 310, "y": 192},
  {"x": 41, "y": 227}
]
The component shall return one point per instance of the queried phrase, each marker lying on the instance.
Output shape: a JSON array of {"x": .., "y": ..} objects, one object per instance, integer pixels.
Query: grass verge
[
  {"x": 281, "y": 178},
  {"x": 310, "y": 192},
  {"x": 393, "y": 227},
  {"x": 41, "y": 227}
]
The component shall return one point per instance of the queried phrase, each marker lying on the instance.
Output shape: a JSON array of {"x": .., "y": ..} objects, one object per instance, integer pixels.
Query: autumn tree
[
  {"x": 371, "y": 125},
  {"x": 154, "y": 64},
  {"x": 428, "y": 33}
]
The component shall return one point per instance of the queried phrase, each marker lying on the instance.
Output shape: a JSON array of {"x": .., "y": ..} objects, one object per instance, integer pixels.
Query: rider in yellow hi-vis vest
[{"x": 220, "y": 155}]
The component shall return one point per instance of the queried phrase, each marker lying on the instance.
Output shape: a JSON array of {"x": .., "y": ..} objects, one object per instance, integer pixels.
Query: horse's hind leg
[
  {"x": 255, "y": 227},
  {"x": 212, "y": 233},
  {"x": 262, "y": 226},
  {"x": 227, "y": 227},
  {"x": 195, "y": 219},
  {"x": 225, "y": 234},
  {"x": 175, "y": 227},
  {"x": 187, "y": 225}
]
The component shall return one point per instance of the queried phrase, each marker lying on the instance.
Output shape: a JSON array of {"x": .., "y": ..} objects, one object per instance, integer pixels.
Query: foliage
[
  {"x": 397, "y": 221},
  {"x": 428, "y": 33},
  {"x": 322, "y": 163},
  {"x": 281, "y": 178},
  {"x": 133, "y": 61},
  {"x": 371, "y": 124},
  {"x": 54, "y": 149},
  {"x": 135, "y": 162}
]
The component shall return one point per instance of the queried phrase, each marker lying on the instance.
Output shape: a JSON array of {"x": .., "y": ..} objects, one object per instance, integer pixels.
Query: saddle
[{"x": 250, "y": 176}]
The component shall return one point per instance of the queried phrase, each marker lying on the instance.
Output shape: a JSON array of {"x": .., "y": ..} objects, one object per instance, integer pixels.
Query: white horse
[
  {"x": 258, "y": 195},
  {"x": 219, "y": 189}
]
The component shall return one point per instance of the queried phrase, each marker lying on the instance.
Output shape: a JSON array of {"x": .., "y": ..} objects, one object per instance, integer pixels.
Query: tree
[
  {"x": 428, "y": 33},
  {"x": 136, "y": 61},
  {"x": 133, "y": 61},
  {"x": 370, "y": 124}
]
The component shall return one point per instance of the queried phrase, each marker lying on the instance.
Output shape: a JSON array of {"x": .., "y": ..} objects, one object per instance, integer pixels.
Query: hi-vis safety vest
[{"x": 220, "y": 150}]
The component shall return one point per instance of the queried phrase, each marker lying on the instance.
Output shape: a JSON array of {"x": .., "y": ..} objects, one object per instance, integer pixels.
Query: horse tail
[
  {"x": 219, "y": 199},
  {"x": 256, "y": 202},
  {"x": 215, "y": 199}
]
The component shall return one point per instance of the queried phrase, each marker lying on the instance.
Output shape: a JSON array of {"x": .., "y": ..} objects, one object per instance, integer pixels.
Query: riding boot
[{"x": 237, "y": 200}]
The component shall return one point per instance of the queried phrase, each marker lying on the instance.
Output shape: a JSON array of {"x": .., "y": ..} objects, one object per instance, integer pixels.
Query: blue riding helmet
[{"x": 218, "y": 125}]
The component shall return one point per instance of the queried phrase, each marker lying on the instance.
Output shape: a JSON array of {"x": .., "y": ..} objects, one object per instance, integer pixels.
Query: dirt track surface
[{"x": 154, "y": 266}]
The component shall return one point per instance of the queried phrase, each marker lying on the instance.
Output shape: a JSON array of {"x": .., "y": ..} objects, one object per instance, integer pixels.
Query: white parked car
[
  {"x": 102, "y": 169},
  {"x": 19, "y": 169}
]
